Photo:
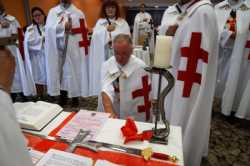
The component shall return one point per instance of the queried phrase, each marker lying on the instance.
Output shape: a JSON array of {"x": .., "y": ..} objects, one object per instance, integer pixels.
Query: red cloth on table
[{"x": 115, "y": 157}]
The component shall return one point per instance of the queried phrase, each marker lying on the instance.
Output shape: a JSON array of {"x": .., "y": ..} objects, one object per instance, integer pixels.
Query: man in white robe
[
  {"x": 239, "y": 67},
  {"x": 13, "y": 151},
  {"x": 228, "y": 21},
  {"x": 104, "y": 32},
  {"x": 66, "y": 49},
  {"x": 143, "y": 31},
  {"x": 126, "y": 86},
  {"x": 22, "y": 83},
  {"x": 194, "y": 61}
]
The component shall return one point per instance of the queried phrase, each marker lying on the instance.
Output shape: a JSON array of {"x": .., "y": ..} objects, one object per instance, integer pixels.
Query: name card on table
[{"x": 163, "y": 49}]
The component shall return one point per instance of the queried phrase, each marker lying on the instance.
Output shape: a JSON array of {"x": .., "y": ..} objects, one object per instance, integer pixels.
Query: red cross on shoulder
[
  {"x": 84, "y": 32},
  {"x": 193, "y": 53},
  {"x": 145, "y": 93},
  {"x": 20, "y": 41},
  {"x": 248, "y": 46}
]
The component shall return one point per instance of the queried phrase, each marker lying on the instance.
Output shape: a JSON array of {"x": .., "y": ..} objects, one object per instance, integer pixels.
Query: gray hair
[{"x": 123, "y": 37}]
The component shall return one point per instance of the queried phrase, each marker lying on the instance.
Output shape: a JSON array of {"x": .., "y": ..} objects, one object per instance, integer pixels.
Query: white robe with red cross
[
  {"x": 239, "y": 71},
  {"x": 99, "y": 49},
  {"x": 194, "y": 61},
  {"x": 227, "y": 26},
  {"x": 70, "y": 74},
  {"x": 22, "y": 81},
  {"x": 133, "y": 99}
]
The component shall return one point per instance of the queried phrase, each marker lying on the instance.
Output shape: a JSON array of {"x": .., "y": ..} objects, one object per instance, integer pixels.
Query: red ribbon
[{"x": 129, "y": 131}]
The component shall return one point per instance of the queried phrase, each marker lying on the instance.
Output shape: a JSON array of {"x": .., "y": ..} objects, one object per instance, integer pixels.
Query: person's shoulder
[
  {"x": 10, "y": 18},
  {"x": 204, "y": 8},
  {"x": 137, "y": 61},
  {"x": 109, "y": 62},
  {"x": 55, "y": 8},
  {"x": 221, "y": 5},
  {"x": 30, "y": 28},
  {"x": 77, "y": 10}
]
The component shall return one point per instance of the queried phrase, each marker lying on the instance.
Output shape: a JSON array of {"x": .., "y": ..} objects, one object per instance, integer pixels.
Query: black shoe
[{"x": 75, "y": 103}]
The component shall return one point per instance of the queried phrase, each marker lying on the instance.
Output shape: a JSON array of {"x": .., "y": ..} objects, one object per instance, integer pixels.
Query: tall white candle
[{"x": 162, "y": 51}]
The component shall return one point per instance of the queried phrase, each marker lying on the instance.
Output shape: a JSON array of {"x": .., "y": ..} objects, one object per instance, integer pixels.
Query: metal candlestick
[{"x": 160, "y": 135}]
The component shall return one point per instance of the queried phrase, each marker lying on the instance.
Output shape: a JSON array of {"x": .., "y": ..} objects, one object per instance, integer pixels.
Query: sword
[
  {"x": 64, "y": 54},
  {"x": 145, "y": 153},
  {"x": 95, "y": 145}
]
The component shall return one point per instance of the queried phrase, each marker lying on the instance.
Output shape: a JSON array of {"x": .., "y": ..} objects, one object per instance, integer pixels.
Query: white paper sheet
[
  {"x": 86, "y": 120},
  {"x": 35, "y": 156},
  {"x": 59, "y": 158},
  {"x": 105, "y": 163}
]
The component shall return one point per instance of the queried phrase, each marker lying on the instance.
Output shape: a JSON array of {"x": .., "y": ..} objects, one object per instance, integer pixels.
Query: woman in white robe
[
  {"x": 107, "y": 27},
  {"x": 34, "y": 50}
]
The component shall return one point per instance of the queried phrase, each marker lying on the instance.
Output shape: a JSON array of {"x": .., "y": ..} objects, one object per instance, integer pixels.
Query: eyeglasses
[{"x": 37, "y": 15}]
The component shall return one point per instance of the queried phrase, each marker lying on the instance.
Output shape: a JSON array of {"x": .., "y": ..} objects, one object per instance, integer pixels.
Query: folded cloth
[{"x": 129, "y": 131}]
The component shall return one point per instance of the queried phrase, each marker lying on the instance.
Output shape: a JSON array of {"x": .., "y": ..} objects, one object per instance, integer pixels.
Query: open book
[{"x": 35, "y": 116}]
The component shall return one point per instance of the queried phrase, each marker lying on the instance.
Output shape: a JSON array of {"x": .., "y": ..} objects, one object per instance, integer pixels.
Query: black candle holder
[{"x": 160, "y": 135}]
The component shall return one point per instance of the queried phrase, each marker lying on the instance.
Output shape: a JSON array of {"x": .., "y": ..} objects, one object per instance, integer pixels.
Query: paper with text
[{"x": 59, "y": 158}]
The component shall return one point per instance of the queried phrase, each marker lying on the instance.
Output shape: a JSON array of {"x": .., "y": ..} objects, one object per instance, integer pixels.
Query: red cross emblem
[
  {"x": 193, "y": 53},
  {"x": 248, "y": 46},
  {"x": 20, "y": 41},
  {"x": 144, "y": 92},
  {"x": 84, "y": 32}
]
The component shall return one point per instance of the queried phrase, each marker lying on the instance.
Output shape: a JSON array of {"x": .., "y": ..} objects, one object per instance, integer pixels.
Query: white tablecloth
[{"x": 110, "y": 133}]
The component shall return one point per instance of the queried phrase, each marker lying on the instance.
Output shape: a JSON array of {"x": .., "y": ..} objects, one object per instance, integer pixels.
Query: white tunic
[
  {"x": 34, "y": 53},
  {"x": 223, "y": 10},
  {"x": 22, "y": 81},
  {"x": 98, "y": 49},
  {"x": 13, "y": 151},
  {"x": 69, "y": 75},
  {"x": 132, "y": 78},
  {"x": 190, "y": 101},
  {"x": 142, "y": 26},
  {"x": 239, "y": 71}
]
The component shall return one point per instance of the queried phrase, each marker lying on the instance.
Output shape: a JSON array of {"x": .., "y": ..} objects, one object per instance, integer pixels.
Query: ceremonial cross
[
  {"x": 84, "y": 32},
  {"x": 193, "y": 53},
  {"x": 20, "y": 41},
  {"x": 144, "y": 92}
]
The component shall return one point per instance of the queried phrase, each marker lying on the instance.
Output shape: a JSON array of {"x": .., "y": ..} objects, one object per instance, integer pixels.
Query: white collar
[
  {"x": 191, "y": 9},
  {"x": 128, "y": 69},
  {"x": 60, "y": 10}
]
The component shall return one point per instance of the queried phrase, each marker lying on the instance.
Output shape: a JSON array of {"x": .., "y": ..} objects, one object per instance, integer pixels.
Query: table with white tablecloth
[{"x": 111, "y": 133}]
